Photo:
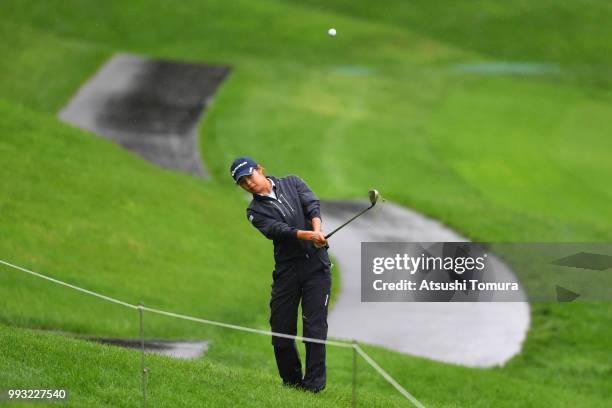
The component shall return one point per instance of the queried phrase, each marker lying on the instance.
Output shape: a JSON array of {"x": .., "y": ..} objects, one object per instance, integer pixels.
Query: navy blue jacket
[{"x": 279, "y": 219}]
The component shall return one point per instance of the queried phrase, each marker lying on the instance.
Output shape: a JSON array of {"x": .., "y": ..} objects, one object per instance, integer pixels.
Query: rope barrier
[
  {"x": 387, "y": 377},
  {"x": 248, "y": 329},
  {"x": 355, "y": 346},
  {"x": 89, "y": 292}
]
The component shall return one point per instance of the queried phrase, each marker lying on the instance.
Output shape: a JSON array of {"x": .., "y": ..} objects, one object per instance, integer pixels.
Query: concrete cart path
[
  {"x": 151, "y": 107},
  {"x": 471, "y": 334}
]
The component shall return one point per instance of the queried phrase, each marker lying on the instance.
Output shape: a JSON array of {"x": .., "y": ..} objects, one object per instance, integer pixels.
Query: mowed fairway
[{"x": 497, "y": 157}]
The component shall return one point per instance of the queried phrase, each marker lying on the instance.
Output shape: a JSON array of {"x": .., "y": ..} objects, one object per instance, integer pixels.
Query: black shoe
[{"x": 311, "y": 389}]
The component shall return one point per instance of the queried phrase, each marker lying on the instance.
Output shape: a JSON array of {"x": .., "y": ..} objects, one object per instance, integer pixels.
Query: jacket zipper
[
  {"x": 287, "y": 202},
  {"x": 279, "y": 209},
  {"x": 280, "y": 194},
  {"x": 283, "y": 204}
]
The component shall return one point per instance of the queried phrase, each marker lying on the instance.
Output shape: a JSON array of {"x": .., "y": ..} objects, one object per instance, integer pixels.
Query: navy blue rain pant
[{"x": 309, "y": 280}]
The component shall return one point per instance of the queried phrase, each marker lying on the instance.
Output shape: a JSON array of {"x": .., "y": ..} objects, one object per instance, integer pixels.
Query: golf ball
[{"x": 332, "y": 32}]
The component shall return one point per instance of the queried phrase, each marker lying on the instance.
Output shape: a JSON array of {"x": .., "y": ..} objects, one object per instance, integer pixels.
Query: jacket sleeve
[
  {"x": 310, "y": 202},
  {"x": 271, "y": 228}
]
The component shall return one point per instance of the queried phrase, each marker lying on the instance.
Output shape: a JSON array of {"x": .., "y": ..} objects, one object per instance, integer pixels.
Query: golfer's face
[{"x": 255, "y": 183}]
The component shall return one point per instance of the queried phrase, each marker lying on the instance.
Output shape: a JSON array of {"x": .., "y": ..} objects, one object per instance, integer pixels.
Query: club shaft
[{"x": 334, "y": 231}]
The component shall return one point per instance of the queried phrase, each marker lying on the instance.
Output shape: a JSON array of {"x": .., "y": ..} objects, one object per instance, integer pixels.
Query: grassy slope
[
  {"x": 518, "y": 30},
  {"x": 287, "y": 72},
  {"x": 109, "y": 376}
]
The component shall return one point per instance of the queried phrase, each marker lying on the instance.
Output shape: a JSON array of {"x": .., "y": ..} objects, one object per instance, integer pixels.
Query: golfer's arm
[
  {"x": 308, "y": 235},
  {"x": 305, "y": 235},
  {"x": 316, "y": 224}
]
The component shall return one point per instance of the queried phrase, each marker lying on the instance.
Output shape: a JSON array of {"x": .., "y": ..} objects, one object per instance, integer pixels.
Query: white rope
[
  {"x": 387, "y": 377},
  {"x": 110, "y": 299},
  {"x": 362, "y": 353},
  {"x": 180, "y": 316},
  {"x": 248, "y": 329}
]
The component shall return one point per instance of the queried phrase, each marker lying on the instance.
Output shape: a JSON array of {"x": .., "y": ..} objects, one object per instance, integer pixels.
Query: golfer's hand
[{"x": 319, "y": 239}]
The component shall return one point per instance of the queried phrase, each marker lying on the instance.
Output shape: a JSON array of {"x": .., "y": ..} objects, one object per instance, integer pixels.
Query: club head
[{"x": 373, "y": 195}]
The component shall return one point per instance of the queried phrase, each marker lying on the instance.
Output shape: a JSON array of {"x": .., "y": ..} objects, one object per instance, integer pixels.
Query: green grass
[
  {"x": 569, "y": 32},
  {"x": 500, "y": 158},
  {"x": 110, "y": 376}
]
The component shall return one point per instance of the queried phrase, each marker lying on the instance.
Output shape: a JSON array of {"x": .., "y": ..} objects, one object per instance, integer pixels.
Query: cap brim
[{"x": 245, "y": 172}]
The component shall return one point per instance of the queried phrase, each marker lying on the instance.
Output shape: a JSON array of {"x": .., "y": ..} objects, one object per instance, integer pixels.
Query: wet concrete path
[
  {"x": 472, "y": 334},
  {"x": 183, "y": 349},
  {"x": 151, "y": 107}
]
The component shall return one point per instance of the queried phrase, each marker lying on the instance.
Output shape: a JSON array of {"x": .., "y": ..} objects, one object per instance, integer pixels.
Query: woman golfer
[{"x": 286, "y": 211}]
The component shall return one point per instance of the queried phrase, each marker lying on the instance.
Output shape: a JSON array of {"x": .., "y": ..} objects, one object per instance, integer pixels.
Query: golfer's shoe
[{"x": 311, "y": 389}]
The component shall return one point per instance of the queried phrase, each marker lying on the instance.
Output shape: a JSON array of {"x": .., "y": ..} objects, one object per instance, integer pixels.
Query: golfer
[{"x": 286, "y": 211}]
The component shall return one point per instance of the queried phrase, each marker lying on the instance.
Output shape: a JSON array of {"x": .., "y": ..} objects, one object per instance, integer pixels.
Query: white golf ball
[{"x": 332, "y": 32}]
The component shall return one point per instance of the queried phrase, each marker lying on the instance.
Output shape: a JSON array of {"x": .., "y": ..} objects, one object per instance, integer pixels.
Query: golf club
[{"x": 373, "y": 195}]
